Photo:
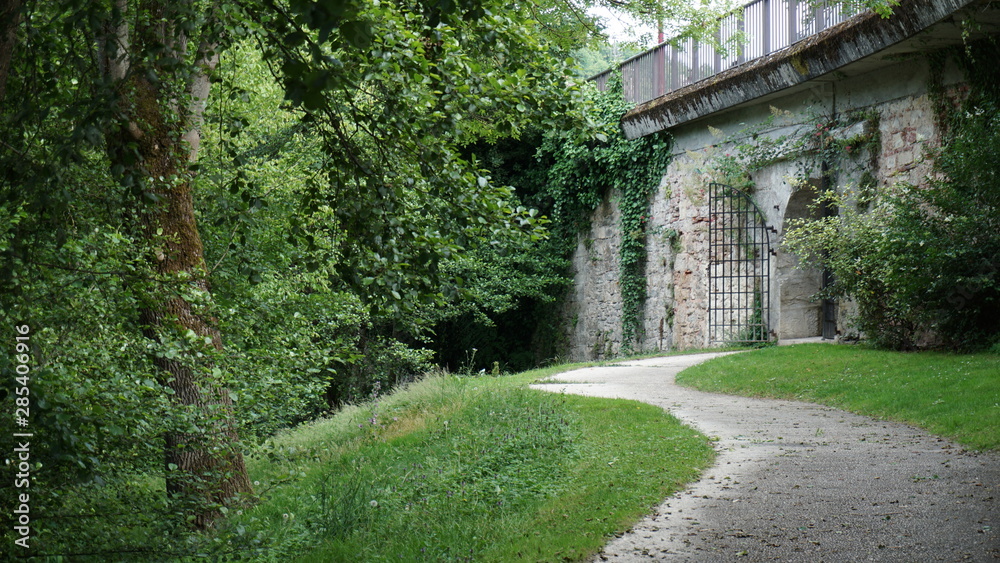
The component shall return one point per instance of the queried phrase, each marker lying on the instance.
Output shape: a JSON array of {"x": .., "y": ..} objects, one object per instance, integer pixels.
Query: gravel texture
[{"x": 801, "y": 482}]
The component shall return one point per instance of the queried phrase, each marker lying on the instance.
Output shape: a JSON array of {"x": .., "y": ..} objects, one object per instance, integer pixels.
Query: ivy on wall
[
  {"x": 580, "y": 174},
  {"x": 835, "y": 143},
  {"x": 638, "y": 186}
]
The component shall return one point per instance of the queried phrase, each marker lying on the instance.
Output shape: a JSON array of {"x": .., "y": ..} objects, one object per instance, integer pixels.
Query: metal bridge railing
[{"x": 756, "y": 30}]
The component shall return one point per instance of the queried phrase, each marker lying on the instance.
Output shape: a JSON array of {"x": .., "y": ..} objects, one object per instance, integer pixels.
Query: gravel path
[{"x": 800, "y": 482}]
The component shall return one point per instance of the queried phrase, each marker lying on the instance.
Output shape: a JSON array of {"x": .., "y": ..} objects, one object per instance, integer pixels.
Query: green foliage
[
  {"x": 634, "y": 206},
  {"x": 599, "y": 58},
  {"x": 412, "y": 97},
  {"x": 386, "y": 204},
  {"x": 301, "y": 322},
  {"x": 953, "y": 395},
  {"x": 452, "y": 468},
  {"x": 754, "y": 333},
  {"x": 580, "y": 174},
  {"x": 580, "y": 170},
  {"x": 637, "y": 185},
  {"x": 298, "y": 346},
  {"x": 507, "y": 312},
  {"x": 382, "y": 362},
  {"x": 495, "y": 279},
  {"x": 72, "y": 270},
  {"x": 923, "y": 263}
]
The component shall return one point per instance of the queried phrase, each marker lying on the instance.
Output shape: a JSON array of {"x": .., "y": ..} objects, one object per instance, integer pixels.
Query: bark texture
[{"x": 156, "y": 140}]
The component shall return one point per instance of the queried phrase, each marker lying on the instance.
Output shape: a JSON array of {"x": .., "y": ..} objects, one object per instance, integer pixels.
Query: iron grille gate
[{"x": 739, "y": 296}]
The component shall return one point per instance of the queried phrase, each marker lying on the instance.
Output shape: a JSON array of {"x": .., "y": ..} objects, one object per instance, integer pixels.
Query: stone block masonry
[
  {"x": 907, "y": 130},
  {"x": 593, "y": 306}
]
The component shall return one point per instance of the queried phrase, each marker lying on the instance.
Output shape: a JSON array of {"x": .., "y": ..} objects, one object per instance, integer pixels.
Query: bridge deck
[{"x": 848, "y": 47}]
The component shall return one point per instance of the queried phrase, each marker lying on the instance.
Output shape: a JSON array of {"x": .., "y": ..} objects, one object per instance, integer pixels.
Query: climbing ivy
[
  {"x": 581, "y": 171},
  {"x": 639, "y": 185}
]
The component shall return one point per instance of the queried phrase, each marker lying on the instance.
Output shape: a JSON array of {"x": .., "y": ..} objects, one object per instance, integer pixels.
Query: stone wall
[
  {"x": 684, "y": 205},
  {"x": 907, "y": 129},
  {"x": 593, "y": 306},
  {"x": 677, "y": 268}
]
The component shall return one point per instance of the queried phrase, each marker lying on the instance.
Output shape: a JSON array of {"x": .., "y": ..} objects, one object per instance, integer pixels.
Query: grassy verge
[
  {"x": 455, "y": 469},
  {"x": 948, "y": 394}
]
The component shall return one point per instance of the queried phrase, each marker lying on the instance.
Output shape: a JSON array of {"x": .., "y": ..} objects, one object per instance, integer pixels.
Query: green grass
[
  {"x": 951, "y": 395},
  {"x": 454, "y": 469}
]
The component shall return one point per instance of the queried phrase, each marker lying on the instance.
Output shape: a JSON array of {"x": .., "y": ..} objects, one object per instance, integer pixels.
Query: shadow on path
[{"x": 801, "y": 482}]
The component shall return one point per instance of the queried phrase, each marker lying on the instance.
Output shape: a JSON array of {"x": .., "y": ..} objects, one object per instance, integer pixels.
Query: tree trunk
[
  {"x": 10, "y": 17},
  {"x": 206, "y": 469},
  {"x": 154, "y": 144}
]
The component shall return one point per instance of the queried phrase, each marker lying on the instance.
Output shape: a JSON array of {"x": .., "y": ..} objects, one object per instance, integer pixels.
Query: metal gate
[
  {"x": 829, "y": 319},
  {"x": 739, "y": 296}
]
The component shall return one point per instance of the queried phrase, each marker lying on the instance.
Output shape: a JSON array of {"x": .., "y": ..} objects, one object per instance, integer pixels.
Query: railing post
[
  {"x": 694, "y": 61},
  {"x": 641, "y": 77},
  {"x": 660, "y": 71},
  {"x": 793, "y": 21},
  {"x": 765, "y": 27},
  {"x": 717, "y": 64},
  {"x": 628, "y": 83},
  {"x": 744, "y": 43},
  {"x": 675, "y": 79},
  {"x": 819, "y": 16}
]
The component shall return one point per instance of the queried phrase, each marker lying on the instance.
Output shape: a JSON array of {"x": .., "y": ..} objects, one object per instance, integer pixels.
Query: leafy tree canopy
[{"x": 119, "y": 231}]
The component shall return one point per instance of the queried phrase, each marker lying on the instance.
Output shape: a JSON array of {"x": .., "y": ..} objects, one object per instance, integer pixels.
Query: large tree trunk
[
  {"x": 208, "y": 468},
  {"x": 155, "y": 142}
]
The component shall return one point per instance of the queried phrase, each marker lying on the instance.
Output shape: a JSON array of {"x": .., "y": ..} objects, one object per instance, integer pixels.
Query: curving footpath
[{"x": 801, "y": 482}]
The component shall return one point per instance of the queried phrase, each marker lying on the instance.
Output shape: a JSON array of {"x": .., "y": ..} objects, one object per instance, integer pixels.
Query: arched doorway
[{"x": 801, "y": 314}]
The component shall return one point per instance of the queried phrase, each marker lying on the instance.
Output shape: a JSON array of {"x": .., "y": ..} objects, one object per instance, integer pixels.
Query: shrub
[{"x": 923, "y": 263}]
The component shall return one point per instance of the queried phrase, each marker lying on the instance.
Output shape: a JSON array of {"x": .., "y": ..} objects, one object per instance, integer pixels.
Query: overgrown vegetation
[
  {"x": 569, "y": 176},
  {"x": 923, "y": 263},
  {"x": 219, "y": 220},
  {"x": 952, "y": 395}
]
